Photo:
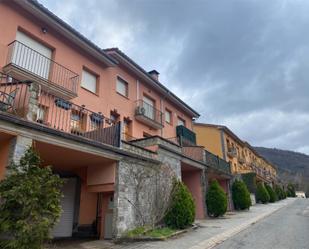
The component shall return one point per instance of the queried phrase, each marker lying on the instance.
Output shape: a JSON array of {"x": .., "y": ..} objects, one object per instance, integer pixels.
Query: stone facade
[
  {"x": 18, "y": 147},
  {"x": 142, "y": 191}
]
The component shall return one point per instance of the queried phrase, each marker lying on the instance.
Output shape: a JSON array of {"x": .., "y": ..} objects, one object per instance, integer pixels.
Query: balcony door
[
  {"x": 31, "y": 55},
  {"x": 149, "y": 105}
]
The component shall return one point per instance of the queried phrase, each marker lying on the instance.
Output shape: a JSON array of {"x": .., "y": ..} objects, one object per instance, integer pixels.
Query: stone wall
[
  {"x": 18, "y": 147},
  {"x": 142, "y": 191}
]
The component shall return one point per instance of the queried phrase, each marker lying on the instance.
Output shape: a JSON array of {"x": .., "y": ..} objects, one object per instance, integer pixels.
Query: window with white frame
[
  {"x": 168, "y": 116},
  {"x": 89, "y": 81},
  {"x": 122, "y": 87}
]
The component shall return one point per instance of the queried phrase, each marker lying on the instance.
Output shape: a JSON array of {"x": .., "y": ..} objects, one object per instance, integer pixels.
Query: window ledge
[
  {"x": 89, "y": 91},
  {"x": 123, "y": 95}
]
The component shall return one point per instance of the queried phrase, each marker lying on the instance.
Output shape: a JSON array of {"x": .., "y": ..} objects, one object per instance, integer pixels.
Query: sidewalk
[{"x": 210, "y": 233}]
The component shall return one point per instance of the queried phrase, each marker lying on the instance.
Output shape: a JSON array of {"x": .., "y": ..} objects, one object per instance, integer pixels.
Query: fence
[{"x": 33, "y": 62}]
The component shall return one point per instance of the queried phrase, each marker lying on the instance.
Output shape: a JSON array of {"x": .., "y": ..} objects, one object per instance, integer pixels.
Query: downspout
[{"x": 222, "y": 144}]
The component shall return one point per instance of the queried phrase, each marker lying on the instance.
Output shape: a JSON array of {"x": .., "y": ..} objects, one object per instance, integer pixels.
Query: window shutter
[{"x": 89, "y": 81}]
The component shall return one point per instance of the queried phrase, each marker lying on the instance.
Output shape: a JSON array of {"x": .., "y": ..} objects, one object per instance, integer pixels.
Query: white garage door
[
  {"x": 65, "y": 226},
  {"x": 32, "y": 55}
]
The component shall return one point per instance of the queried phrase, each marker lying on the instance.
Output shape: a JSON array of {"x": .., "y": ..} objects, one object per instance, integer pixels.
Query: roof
[
  {"x": 119, "y": 55},
  {"x": 41, "y": 12},
  {"x": 232, "y": 134}
]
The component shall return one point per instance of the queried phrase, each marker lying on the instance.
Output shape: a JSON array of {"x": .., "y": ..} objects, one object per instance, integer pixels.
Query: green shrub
[
  {"x": 216, "y": 200},
  {"x": 290, "y": 192},
  {"x": 262, "y": 194},
  {"x": 280, "y": 192},
  {"x": 240, "y": 195},
  {"x": 272, "y": 195},
  {"x": 250, "y": 180},
  {"x": 30, "y": 203},
  {"x": 181, "y": 212}
]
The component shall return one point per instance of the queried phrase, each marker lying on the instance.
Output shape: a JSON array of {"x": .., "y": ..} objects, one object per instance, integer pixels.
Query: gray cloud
[{"x": 242, "y": 63}]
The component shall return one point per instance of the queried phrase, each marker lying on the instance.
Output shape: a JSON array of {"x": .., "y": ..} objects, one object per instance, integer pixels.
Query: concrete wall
[
  {"x": 210, "y": 138},
  {"x": 193, "y": 180}
]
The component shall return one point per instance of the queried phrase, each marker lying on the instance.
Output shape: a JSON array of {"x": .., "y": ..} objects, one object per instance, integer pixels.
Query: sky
[{"x": 239, "y": 63}]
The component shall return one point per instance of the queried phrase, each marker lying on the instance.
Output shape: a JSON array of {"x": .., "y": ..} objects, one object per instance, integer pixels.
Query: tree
[
  {"x": 216, "y": 200},
  {"x": 272, "y": 195},
  {"x": 30, "y": 203},
  {"x": 241, "y": 195},
  {"x": 181, "y": 212},
  {"x": 290, "y": 190},
  {"x": 262, "y": 194}
]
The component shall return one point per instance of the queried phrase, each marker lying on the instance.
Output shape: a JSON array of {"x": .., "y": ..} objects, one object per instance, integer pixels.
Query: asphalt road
[{"x": 286, "y": 228}]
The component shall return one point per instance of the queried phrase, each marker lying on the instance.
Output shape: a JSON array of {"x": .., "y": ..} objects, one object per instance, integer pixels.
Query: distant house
[{"x": 300, "y": 194}]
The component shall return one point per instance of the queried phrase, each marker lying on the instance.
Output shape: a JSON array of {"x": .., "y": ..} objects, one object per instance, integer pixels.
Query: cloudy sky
[{"x": 241, "y": 63}]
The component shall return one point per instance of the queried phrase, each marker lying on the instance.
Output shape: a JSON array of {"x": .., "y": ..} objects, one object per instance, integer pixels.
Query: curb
[{"x": 219, "y": 238}]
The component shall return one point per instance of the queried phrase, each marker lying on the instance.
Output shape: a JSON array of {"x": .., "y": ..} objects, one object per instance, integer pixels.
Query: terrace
[{"x": 25, "y": 100}]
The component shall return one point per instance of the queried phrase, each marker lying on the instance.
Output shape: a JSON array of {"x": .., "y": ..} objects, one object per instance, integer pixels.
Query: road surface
[{"x": 284, "y": 229}]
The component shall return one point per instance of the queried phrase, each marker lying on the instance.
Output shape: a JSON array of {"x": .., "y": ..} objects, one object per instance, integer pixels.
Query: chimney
[{"x": 154, "y": 74}]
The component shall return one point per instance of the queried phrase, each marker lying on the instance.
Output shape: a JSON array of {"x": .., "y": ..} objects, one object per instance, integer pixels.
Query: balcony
[
  {"x": 231, "y": 152},
  {"x": 22, "y": 100},
  {"x": 241, "y": 160},
  {"x": 217, "y": 163},
  {"x": 24, "y": 63},
  {"x": 148, "y": 115},
  {"x": 186, "y": 136},
  {"x": 194, "y": 152}
]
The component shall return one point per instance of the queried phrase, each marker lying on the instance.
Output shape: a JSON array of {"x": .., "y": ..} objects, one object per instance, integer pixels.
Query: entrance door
[
  {"x": 149, "y": 104},
  {"x": 31, "y": 55},
  {"x": 108, "y": 221},
  {"x": 64, "y": 228}
]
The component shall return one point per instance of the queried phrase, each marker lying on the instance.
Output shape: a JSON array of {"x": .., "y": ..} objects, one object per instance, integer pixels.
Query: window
[
  {"x": 181, "y": 122},
  {"x": 168, "y": 116},
  {"x": 122, "y": 87},
  {"x": 89, "y": 81},
  {"x": 32, "y": 55},
  {"x": 149, "y": 104}
]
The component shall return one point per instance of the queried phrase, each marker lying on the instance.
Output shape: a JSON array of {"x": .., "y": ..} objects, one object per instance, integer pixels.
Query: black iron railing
[
  {"x": 216, "y": 162},
  {"x": 33, "y": 62},
  {"x": 148, "y": 111},
  {"x": 19, "y": 98}
]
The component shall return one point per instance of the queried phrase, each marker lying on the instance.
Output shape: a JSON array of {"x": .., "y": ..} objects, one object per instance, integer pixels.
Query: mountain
[{"x": 292, "y": 166}]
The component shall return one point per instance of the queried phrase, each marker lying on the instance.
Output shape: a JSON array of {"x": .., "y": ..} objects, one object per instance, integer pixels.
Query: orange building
[
  {"x": 99, "y": 119},
  {"x": 242, "y": 157}
]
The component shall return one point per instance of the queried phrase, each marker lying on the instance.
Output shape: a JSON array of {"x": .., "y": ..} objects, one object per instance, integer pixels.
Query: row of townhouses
[{"x": 109, "y": 127}]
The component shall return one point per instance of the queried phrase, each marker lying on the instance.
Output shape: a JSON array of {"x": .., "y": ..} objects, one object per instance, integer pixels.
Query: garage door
[
  {"x": 65, "y": 226},
  {"x": 32, "y": 55}
]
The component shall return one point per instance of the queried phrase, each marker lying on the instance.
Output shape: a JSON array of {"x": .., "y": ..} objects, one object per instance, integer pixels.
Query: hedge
[
  {"x": 262, "y": 194},
  {"x": 240, "y": 195},
  {"x": 216, "y": 200},
  {"x": 181, "y": 212}
]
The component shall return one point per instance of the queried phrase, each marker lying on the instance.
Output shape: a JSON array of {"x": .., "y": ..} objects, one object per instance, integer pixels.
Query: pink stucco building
[{"x": 90, "y": 113}]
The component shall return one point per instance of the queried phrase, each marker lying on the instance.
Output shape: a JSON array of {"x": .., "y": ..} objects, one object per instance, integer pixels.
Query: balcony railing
[
  {"x": 241, "y": 160},
  {"x": 217, "y": 163},
  {"x": 25, "y": 63},
  {"x": 231, "y": 152},
  {"x": 148, "y": 114},
  {"x": 24, "y": 100}
]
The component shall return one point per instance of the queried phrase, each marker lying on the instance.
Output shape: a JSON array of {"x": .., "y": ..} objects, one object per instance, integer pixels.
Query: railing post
[{"x": 33, "y": 106}]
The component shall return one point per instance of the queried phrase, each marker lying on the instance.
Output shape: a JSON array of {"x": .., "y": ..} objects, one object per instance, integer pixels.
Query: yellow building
[{"x": 221, "y": 141}]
